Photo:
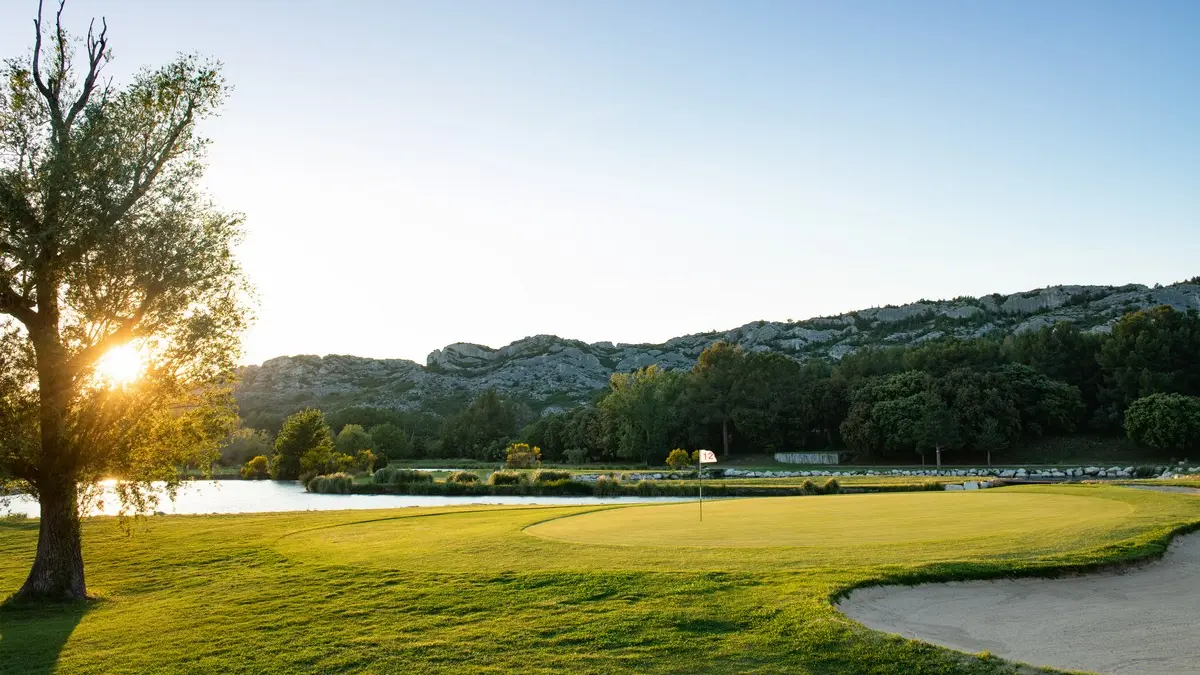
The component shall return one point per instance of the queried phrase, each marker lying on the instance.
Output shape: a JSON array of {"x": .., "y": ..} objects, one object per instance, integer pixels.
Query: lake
[{"x": 260, "y": 496}]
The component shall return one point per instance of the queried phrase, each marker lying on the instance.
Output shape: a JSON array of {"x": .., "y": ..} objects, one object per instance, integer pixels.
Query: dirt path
[{"x": 1143, "y": 621}]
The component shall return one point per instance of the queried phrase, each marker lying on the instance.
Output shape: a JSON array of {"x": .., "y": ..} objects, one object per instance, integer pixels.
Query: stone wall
[{"x": 806, "y": 457}]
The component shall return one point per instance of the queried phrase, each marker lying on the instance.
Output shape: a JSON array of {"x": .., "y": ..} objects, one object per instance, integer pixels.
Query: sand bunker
[{"x": 1144, "y": 620}]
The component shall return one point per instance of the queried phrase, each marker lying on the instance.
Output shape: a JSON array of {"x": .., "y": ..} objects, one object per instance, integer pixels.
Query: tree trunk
[
  {"x": 725, "y": 438},
  {"x": 58, "y": 565}
]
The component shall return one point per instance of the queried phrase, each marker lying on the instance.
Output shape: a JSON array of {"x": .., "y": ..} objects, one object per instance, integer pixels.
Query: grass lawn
[{"x": 610, "y": 589}]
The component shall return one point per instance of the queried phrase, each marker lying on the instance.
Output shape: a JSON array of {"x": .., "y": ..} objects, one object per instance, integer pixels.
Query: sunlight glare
[{"x": 121, "y": 365}]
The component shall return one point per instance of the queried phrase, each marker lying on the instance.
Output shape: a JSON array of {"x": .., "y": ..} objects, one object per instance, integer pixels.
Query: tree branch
[
  {"x": 96, "y": 48},
  {"x": 17, "y": 306},
  {"x": 124, "y": 333},
  {"x": 142, "y": 182}
]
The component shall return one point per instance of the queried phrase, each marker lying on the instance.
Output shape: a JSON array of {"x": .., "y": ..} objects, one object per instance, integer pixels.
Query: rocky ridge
[{"x": 551, "y": 372}]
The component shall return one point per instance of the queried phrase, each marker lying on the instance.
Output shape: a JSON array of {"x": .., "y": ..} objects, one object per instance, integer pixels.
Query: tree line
[{"x": 980, "y": 398}]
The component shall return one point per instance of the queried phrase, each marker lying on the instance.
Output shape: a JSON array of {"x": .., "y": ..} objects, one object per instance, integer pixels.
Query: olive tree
[{"x": 106, "y": 243}]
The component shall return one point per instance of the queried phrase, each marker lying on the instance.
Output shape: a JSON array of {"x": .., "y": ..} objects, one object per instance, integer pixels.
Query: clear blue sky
[{"x": 416, "y": 174}]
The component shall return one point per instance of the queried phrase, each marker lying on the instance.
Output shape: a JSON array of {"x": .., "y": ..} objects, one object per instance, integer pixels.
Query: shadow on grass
[{"x": 32, "y": 636}]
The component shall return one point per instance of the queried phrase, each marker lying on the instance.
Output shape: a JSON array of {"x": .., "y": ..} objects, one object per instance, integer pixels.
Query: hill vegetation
[{"x": 980, "y": 399}]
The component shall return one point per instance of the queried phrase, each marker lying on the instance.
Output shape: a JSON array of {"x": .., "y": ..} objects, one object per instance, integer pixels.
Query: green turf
[{"x": 495, "y": 589}]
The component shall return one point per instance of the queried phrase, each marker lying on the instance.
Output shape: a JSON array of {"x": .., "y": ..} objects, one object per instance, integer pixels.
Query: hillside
[{"x": 551, "y": 372}]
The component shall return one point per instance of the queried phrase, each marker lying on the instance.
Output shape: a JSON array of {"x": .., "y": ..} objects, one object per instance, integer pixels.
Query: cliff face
[{"x": 552, "y": 372}]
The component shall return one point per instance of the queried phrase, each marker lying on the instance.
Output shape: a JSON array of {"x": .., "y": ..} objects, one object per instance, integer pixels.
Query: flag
[{"x": 708, "y": 457}]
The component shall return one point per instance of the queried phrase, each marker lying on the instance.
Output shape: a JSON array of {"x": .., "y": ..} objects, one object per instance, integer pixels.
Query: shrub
[
  {"x": 550, "y": 475},
  {"x": 607, "y": 486},
  {"x": 522, "y": 456},
  {"x": 679, "y": 459},
  {"x": 646, "y": 488},
  {"x": 575, "y": 456},
  {"x": 257, "y": 468},
  {"x": 463, "y": 477},
  {"x": 337, "y": 483},
  {"x": 809, "y": 487},
  {"x": 831, "y": 487},
  {"x": 390, "y": 476},
  {"x": 1145, "y": 472},
  {"x": 504, "y": 478},
  {"x": 366, "y": 460}
]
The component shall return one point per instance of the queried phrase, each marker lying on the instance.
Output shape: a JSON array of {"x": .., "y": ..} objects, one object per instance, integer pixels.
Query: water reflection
[{"x": 238, "y": 496}]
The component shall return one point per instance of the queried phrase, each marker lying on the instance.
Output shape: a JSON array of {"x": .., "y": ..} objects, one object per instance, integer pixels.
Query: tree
[
  {"x": 244, "y": 444},
  {"x": 107, "y": 243},
  {"x": 935, "y": 429},
  {"x": 481, "y": 430},
  {"x": 641, "y": 406},
  {"x": 715, "y": 385},
  {"x": 1164, "y": 422},
  {"x": 391, "y": 441},
  {"x": 353, "y": 438},
  {"x": 991, "y": 439},
  {"x": 303, "y": 444},
  {"x": 1150, "y": 352}
]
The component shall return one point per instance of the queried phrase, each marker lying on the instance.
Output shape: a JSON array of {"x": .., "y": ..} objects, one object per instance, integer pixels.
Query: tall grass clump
[
  {"x": 607, "y": 486},
  {"x": 335, "y": 483},
  {"x": 463, "y": 478},
  {"x": 393, "y": 476},
  {"x": 831, "y": 487},
  {"x": 550, "y": 475},
  {"x": 808, "y": 487},
  {"x": 505, "y": 478}
]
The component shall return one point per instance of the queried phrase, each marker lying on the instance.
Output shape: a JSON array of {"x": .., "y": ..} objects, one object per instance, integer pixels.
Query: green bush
[
  {"x": 831, "y": 487},
  {"x": 522, "y": 456},
  {"x": 463, "y": 477},
  {"x": 809, "y": 487},
  {"x": 257, "y": 469},
  {"x": 391, "y": 476},
  {"x": 679, "y": 459},
  {"x": 505, "y": 478},
  {"x": 550, "y": 475}
]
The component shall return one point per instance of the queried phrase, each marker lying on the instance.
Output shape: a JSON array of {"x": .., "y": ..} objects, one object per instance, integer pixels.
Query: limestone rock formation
[{"x": 550, "y": 372}]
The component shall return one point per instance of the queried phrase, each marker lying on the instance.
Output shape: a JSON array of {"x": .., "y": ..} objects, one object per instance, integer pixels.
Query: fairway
[
  {"x": 581, "y": 589},
  {"x": 842, "y": 520}
]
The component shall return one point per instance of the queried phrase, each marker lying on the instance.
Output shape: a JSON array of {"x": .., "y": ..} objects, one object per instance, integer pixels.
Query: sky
[{"x": 418, "y": 174}]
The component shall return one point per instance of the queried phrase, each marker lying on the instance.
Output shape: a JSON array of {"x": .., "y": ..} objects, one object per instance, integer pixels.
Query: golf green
[{"x": 789, "y": 532}]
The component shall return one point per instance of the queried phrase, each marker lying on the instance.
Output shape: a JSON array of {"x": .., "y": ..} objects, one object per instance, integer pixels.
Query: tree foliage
[
  {"x": 107, "y": 241},
  {"x": 1165, "y": 422},
  {"x": 304, "y": 444}
]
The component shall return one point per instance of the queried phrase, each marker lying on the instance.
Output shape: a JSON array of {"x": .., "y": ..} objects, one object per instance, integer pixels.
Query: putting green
[
  {"x": 751, "y": 535},
  {"x": 844, "y": 520}
]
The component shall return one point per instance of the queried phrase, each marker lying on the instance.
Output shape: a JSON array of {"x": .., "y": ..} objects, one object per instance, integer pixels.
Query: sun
[{"x": 121, "y": 365}]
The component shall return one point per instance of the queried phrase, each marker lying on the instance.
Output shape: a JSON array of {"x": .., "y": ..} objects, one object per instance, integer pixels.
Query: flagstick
[{"x": 700, "y": 470}]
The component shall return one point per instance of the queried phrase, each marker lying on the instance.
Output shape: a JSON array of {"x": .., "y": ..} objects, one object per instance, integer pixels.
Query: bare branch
[
  {"x": 96, "y": 48},
  {"x": 37, "y": 53}
]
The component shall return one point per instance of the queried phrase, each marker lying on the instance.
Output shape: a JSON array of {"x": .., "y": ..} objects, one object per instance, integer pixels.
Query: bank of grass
[
  {"x": 551, "y": 482},
  {"x": 498, "y": 589}
]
